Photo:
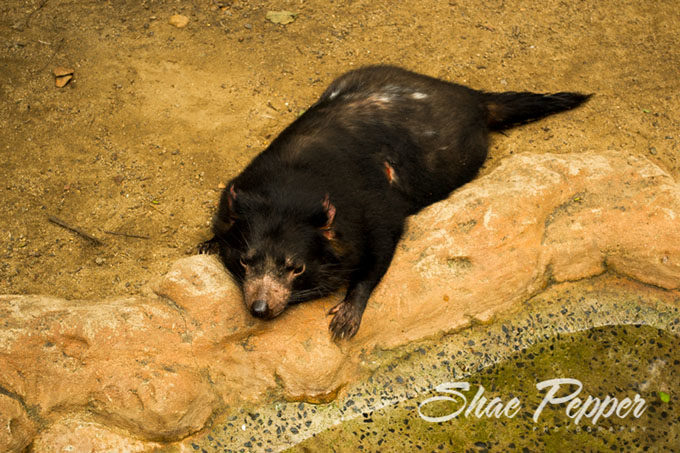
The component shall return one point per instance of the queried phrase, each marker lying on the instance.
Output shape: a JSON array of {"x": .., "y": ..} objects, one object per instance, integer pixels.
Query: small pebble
[{"x": 178, "y": 20}]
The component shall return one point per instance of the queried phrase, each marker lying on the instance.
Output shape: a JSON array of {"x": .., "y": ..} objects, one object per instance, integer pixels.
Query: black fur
[{"x": 329, "y": 196}]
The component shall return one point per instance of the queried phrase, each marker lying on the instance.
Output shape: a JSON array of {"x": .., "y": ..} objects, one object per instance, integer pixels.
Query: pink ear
[
  {"x": 330, "y": 213},
  {"x": 232, "y": 198}
]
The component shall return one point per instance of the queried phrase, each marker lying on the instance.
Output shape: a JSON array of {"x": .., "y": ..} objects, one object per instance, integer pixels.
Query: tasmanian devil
[{"x": 324, "y": 205}]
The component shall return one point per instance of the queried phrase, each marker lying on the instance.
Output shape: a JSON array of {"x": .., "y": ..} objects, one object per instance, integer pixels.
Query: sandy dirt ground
[{"x": 156, "y": 117}]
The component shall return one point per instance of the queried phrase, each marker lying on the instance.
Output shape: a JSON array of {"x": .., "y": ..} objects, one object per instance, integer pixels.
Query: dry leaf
[
  {"x": 281, "y": 17},
  {"x": 178, "y": 20}
]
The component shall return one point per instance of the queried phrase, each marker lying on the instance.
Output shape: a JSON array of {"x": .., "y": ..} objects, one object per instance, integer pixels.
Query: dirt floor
[{"x": 156, "y": 117}]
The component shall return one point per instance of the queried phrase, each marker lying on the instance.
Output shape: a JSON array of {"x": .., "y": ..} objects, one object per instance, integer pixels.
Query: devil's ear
[
  {"x": 231, "y": 198},
  {"x": 226, "y": 212},
  {"x": 329, "y": 210}
]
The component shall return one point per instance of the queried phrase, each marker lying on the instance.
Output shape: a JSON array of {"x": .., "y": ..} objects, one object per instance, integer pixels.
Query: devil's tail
[{"x": 505, "y": 110}]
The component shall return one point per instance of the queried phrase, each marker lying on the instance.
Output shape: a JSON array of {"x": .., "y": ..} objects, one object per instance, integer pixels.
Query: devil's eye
[
  {"x": 244, "y": 262},
  {"x": 296, "y": 269}
]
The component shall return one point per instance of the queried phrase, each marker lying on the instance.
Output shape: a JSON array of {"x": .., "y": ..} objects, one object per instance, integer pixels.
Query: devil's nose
[{"x": 259, "y": 308}]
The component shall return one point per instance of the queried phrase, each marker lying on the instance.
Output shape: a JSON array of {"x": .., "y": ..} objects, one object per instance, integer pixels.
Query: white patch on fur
[
  {"x": 339, "y": 89},
  {"x": 393, "y": 89},
  {"x": 383, "y": 97},
  {"x": 419, "y": 95}
]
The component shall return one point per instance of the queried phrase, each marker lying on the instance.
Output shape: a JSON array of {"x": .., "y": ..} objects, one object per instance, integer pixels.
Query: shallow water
[{"x": 619, "y": 361}]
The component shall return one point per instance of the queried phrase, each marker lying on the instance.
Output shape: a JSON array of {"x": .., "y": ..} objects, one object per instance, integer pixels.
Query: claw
[
  {"x": 346, "y": 321},
  {"x": 208, "y": 247}
]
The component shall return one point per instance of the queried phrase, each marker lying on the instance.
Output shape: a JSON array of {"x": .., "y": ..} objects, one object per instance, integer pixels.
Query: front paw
[
  {"x": 208, "y": 247},
  {"x": 346, "y": 321}
]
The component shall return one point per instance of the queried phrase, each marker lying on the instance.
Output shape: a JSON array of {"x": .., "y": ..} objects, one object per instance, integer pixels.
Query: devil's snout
[{"x": 259, "y": 308}]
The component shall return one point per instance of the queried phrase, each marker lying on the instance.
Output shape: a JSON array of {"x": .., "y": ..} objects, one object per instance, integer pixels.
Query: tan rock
[
  {"x": 157, "y": 369},
  {"x": 178, "y": 20},
  {"x": 16, "y": 428},
  {"x": 61, "y": 71},
  {"x": 500, "y": 239},
  {"x": 82, "y": 435},
  {"x": 62, "y": 76},
  {"x": 126, "y": 360}
]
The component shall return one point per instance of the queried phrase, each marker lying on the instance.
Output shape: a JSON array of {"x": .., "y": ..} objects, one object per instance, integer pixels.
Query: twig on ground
[
  {"x": 63, "y": 224},
  {"x": 137, "y": 236}
]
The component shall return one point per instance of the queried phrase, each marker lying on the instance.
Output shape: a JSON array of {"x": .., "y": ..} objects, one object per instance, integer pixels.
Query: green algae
[{"x": 618, "y": 360}]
